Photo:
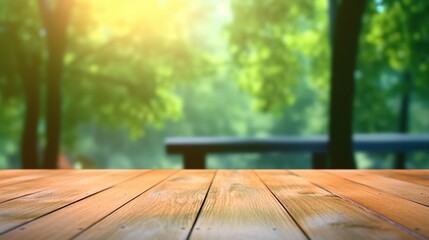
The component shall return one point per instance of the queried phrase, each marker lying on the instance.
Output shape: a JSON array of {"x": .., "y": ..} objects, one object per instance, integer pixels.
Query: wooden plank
[
  {"x": 323, "y": 215},
  {"x": 22, "y": 210},
  {"x": 410, "y": 215},
  {"x": 15, "y": 173},
  {"x": 15, "y": 177},
  {"x": 410, "y": 191},
  {"x": 239, "y": 206},
  {"x": 19, "y": 172},
  {"x": 166, "y": 211},
  {"x": 75, "y": 218},
  {"x": 420, "y": 177},
  {"x": 24, "y": 188}
]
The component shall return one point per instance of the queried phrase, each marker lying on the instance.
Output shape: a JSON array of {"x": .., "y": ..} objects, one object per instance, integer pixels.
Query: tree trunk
[
  {"x": 53, "y": 112},
  {"x": 344, "y": 54},
  {"x": 332, "y": 12},
  {"x": 56, "y": 18},
  {"x": 31, "y": 81},
  {"x": 28, "y": 64},
  {"x": 404, "y": 112}
]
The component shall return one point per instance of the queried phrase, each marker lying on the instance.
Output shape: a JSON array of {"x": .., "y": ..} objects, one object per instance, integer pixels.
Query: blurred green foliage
[
  {"x": 278, "y": 44},
  {"x": 135, "y": 74},
  {"x": 394, "y": 41}
]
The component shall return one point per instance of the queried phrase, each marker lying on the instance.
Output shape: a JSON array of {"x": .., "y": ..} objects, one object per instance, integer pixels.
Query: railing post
[
  {"x": 400, "y": 161},
  {"x": 194, "y": 160},
  {"x": 319, "y": 161}
]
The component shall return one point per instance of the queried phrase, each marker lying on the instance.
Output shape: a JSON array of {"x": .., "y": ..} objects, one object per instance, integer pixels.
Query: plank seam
[
  {"x": 24, "y": 181},
  {"x": 392, "y": 194},
  {"x": 278, "y": 201},
  {"x": 28, "y": 194},
  {"x": 68, "y": 204},
  {"x": 201, "y": 207},
  {"x": 24, "y": 195},
  {"x": 115, "y": 210},
  {"x": 395, "y": 224},
  {"x": 36, "y": 218}
]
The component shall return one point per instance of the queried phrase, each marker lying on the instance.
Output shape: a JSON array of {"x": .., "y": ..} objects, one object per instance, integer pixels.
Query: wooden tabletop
[{"x": 210, "y": 204}]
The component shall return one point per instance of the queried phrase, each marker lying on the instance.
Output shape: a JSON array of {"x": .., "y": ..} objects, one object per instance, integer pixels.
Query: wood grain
[
  {"x": 166, "y": 211},
  {"x": 23, "y": 188},
  {"x": 22, "y": 210},
  {"x": 202, "y": 204},
  {"x": 15, "y": 177},
  {"x": 410, "y": 215},
  {"x": 15, "y": 173},
  {"x": 239, "y": 206},
  {"x": 323, "y": 215},
  {"x": 413, "y": 192},
  {"x": 79, "y": 216},
  {"x": 420, "y": 177}
]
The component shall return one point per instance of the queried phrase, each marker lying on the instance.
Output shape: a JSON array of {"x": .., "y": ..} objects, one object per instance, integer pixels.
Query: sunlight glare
[
  {"x": 223, "y": 10},
  {"x": 151, "y": 17}
]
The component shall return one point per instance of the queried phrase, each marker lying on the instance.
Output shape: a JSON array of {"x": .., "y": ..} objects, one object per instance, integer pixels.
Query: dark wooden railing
[{"x": 195, "y": 149}]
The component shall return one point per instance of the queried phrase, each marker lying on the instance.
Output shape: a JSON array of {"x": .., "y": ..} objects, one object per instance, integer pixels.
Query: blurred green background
[{"x": 135, "y": 72}]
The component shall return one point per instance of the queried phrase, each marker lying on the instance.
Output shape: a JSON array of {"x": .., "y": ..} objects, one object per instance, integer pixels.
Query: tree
[
  {"x": 291, "y": 45},
  {"x": 20, "y": 71},
  {"x": 343, "y": 63},
  {"x": 55, "y": 17},
  {"x": 392, "y": 68},
  {"x": 278, "y": 45},
  {"x": 124, "y": 80}
]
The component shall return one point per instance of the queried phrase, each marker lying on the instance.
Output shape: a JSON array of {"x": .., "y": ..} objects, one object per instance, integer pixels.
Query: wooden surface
[{"x": 214, "y": 204}]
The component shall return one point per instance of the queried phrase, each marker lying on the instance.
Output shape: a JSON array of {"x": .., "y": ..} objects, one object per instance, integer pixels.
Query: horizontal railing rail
[{"x": 195, "y": 149}]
